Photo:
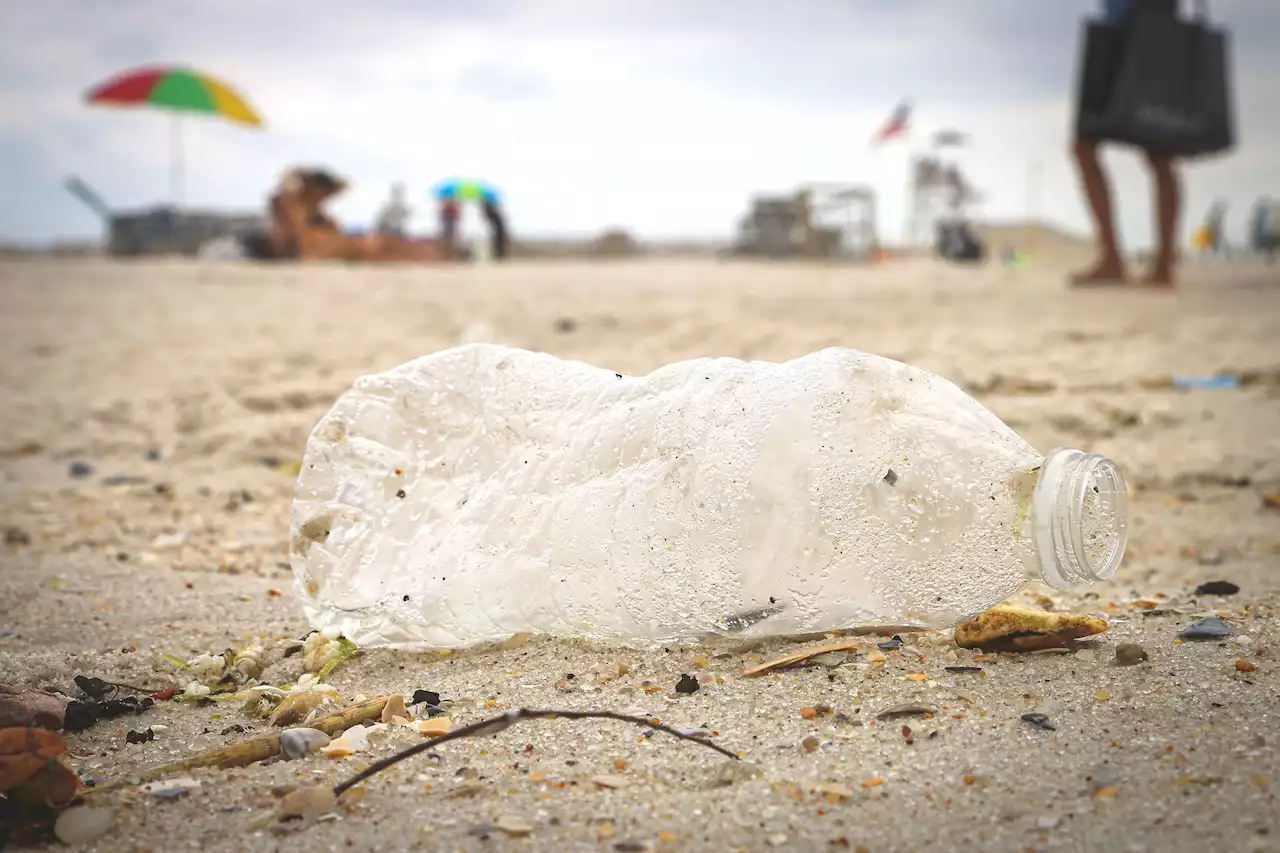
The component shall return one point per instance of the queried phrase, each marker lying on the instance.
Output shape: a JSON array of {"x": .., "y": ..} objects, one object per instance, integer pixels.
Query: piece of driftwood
[{"x": 257, "y": 748}]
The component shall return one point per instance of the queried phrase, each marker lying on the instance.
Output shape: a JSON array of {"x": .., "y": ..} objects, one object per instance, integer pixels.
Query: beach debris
[
  {"x": 687, "y": 684},
  {"x": 1244, "y": 666},
  {"x": 834, "y": 792},
  {"x": 1209, "y": 628},
  {"x": 352, "y": 740},
  {"x": 258, "y": 748},
  {"x": 16, "y": 536},
  {"x": 395, "y": 711},
  {"x": 1039, "y": 720},
  {"x": 299, "y": 743},
  {"x": 1217, "y": 588},
  {"x": 514, "y": 825},
  {"x": 1129, "y": 654},
  {"x": 906, "y": 709},
  {"x": 889, "y": 645},
  {"x": 965, "y": 669},
  {"x": 1271, "y": 500},
  {"x": 302, "y": 807},
  {"x": 564, "y": 325},
  {"x": 31, "y": 770},
  {"x": 144, "y": 736},
  {"x": 811, "y": 744},
  {"x": 504, "y": 721},
  {"x": 609, "y": 780},
  {"x": 81, "y": 714},
  {"x": 831, "y": 660},
  {"x": 321, "y": 654},
  {"x": 425, "y": 697},
  {"x": 30, "y": 708},
  {"x": 79, "y": 470},
  {"x": 83, "y": 824},
  {"x": 170, "y": 789},
  {"x": 295, "y": 707},
  {"x": 802, "y": 656},
  {"x": 433, "y": 726},
  {"x": 1007, "y": 628}
]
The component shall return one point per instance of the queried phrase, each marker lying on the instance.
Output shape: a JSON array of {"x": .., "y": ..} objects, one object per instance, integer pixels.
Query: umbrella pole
[
  {"x": 175, "y": 159},
  {"x": 175, "y": 182}
]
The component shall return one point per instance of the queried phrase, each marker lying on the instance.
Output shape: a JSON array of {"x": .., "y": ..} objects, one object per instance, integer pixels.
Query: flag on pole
[{"x": 897, "y": 124}]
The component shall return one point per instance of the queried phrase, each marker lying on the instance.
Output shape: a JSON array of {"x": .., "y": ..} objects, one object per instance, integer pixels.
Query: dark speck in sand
[
  {"x": 687, "y": 684},
  {"x": 1209, "y": 628},
  {"x": 1040, "y": 721},
  {"x": 80, "y": 470},
  {"x": 891, "y": 477},
  {"x": 963, "y": 668},
  {"x": 1217, "y": 588}
]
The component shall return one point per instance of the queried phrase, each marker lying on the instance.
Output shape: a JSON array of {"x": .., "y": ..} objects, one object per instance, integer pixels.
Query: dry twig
[{"x": 493, "y": 725}]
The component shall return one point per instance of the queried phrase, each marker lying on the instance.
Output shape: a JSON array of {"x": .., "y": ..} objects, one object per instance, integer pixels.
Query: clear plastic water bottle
[{"x": 484, "y": 491}]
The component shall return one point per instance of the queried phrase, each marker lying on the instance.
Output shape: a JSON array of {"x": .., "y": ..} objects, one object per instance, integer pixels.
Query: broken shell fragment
[
  {"x": 1018, "y": 629},
  {"x": 299, "y": 743}
]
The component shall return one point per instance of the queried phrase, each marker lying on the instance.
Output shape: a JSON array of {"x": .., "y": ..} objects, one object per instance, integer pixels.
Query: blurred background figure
[
  {"x": 393, "y": 219},
  {"x": 451, "y": 194},
  {"x": 1110, "y": 267}
]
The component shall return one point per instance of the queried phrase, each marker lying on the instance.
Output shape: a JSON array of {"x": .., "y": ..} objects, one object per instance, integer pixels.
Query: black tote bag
[{"x": 1158, "y": 82}]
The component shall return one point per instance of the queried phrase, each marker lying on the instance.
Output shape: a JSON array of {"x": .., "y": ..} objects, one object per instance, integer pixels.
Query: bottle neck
[{"x": 1079, "y": 518}]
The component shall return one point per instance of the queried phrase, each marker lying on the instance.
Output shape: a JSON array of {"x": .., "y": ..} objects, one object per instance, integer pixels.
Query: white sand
[{"x": 223, "y": 370}]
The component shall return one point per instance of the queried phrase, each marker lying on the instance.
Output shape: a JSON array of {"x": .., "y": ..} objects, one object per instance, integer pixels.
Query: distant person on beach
[
  {"x": 1110, "y": 268},
  {"x": 393, "y": 219}
]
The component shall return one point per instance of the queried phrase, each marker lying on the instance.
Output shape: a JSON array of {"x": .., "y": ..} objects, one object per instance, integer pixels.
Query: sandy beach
[{"x": 154, "y": 412}]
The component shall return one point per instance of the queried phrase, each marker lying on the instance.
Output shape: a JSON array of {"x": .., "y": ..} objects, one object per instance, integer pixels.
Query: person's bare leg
[
  {"x": 1168, "y": 211},
  {"x": 1110, "y": 267}
]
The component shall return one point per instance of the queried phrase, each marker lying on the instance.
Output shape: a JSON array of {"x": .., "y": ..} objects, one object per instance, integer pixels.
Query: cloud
[{"x": 661, "y": 116}]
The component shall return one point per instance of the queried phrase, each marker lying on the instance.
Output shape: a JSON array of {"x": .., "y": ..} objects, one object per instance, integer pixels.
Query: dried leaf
[
  {"x": 802, "y": 656},
  {"x": 30, "y": 708}
]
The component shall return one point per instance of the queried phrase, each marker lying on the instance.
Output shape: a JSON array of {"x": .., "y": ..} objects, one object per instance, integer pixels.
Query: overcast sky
[{"x": 659, "y": 116}]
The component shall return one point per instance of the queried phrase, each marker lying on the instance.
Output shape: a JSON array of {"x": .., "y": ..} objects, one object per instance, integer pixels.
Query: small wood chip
[
  {"x": 802, "y": 656},
  {"x": 609, "y": 781},
  {"x": 873, "y": 782}
]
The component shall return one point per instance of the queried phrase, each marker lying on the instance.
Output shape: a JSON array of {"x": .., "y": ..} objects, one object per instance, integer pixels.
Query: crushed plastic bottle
[{"x": 484, "y": 491}]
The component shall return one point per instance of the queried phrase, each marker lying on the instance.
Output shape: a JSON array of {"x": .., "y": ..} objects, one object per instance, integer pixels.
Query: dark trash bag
[{"x": 1158, "y": 82}]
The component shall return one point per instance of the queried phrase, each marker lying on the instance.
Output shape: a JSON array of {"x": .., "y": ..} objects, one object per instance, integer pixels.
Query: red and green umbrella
[{"x": 179, "y": 90}]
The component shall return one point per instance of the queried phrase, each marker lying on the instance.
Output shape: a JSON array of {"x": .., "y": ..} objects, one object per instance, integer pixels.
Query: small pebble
[
  {"x": 811, "y": 743},
  {"x": 889, "y": 645},
  {"x": 1048, "y": 821},
  {"x": 83, "y": 824},
  {"x": 1217, "y": 588},
  {"x": 515, "y": 825},
  {"x": 1243, "y": 665},
  {"x": 1040, "y": 721},
  {"x": 80, "y": 470},
  {"x": 777, "y": 840},
  {"x": 170, "y": 789},
  {"x": 1087, "y": 655},
  {"x": 1128, "y": 654},
  {"x": 1210, "y": 628},
  {"x": 299, "y": 743}
]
